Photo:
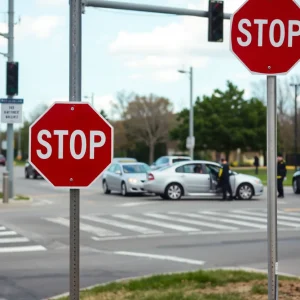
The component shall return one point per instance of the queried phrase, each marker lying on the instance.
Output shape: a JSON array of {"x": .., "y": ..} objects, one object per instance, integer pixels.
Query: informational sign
[
  {"x": 74, "y": 139},
  {"x": 11, "y": 110}
]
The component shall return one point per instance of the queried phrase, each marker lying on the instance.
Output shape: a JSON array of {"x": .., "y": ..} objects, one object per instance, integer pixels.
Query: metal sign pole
[
  {"x": 272, "y": 188},
  {"x": 75, "y": 95}
]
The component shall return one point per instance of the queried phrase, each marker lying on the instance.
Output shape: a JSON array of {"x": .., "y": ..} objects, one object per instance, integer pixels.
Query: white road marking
[
  {"x": 22, "y": 249},
  {"x": 84, "y": 227},
  {"x": 243, "y": 223},
  {"x": 5, "y": 233},
  {"x": 136, "y": 228},
  {"x": 42, "y": 202},
  {"x": 156, "y": 223},
  {"x": 188, "y": 221},
  {"x": 130, "y": 204},
  {"x": 14, "y": 240},
  {"x": 162, "y": 257},
  {"x": 2, "y": 228},
  {"x": 278, "y": 217}
]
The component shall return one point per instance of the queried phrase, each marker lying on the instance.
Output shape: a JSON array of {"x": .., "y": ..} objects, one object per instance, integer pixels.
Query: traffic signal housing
[
  {"x": 215, "y": 21},
  {"x": 12, "y": 78}
]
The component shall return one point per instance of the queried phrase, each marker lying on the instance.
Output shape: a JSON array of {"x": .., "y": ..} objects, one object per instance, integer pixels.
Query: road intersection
[{"x": 132, "y": 236}]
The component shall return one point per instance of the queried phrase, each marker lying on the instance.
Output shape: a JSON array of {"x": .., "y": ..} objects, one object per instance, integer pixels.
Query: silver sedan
[
  {"x": 199, "y": 179},
  {"x": 127, "y": 178}
]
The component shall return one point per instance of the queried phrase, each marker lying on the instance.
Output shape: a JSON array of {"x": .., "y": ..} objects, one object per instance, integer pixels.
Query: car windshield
[{"x": 135, "y": 168}]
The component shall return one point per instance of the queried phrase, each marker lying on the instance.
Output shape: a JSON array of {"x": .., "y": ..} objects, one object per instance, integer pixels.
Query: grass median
[
  {"x": 262, "y": 174},
  {"x": 200, "y": 285}
]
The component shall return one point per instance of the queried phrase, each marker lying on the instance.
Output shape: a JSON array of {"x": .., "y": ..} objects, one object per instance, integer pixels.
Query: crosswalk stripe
[
  {"x": 191, "y": 215},
  {"x": 84, "y": 227},
  {"x": 193, "y": 222},
  {"x": 225, "y": 220},
  {"x": 14, "y": 240},
  {"x": 5, "y": 233},
  {"x": 2, "y": 228},
  {"x": 132, "y": 227},
  {"x": 265, "y": 215},
  {"x": 256, "y": 219},
  {"x": 22, "y": 249},
  {"x": 156, "y": 223}
]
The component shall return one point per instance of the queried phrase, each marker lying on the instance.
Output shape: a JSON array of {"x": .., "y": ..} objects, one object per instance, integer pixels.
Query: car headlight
[
  {"x": 132, "y": 180},
  {"x": 258, "y": 181}
]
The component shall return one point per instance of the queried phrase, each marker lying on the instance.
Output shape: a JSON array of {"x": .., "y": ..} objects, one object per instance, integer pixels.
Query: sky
[{"x": 121, "y": 50}]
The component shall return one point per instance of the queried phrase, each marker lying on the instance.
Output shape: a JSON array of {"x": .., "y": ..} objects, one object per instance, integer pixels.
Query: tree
[
  {"x": 224, "y": 122},
  {"x": 147, "y": 119},
  {"x": 103, "y": 114}
]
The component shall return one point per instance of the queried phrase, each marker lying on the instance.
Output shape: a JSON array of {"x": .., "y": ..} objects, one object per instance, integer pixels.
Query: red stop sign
[
  {"x": 71, "y": 144},
  {"x": 265, "y": 35}
]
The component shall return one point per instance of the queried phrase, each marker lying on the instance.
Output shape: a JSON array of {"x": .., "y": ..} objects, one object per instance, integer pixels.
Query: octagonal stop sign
[
  {"x": 70, "y": 145},
  {"x": 265, "y": 35}
]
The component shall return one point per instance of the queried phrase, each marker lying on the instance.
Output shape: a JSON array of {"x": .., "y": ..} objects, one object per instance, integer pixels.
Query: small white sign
[
  {"x": 11, "y": 113},
  {"x": 190, "y": 142}
]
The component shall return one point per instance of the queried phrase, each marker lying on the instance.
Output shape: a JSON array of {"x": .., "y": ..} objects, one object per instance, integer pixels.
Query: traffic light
[
  {"x": 12, "y": 78},
  {"x": 215, "y": 21}
]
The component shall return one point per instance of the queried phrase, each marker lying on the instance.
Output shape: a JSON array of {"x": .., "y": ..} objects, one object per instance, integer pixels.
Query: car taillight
[{"x": 150, "y": 176}]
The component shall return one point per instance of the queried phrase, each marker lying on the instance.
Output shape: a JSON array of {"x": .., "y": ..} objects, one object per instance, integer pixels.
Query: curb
[{"x": 253, "y": 270}]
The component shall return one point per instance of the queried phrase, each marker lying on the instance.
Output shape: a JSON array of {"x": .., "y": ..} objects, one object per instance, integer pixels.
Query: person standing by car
[
  {"x": 224, "y": 179},
  {"x": 281, "y": 174},
  {"x": 256, "y": 163}
]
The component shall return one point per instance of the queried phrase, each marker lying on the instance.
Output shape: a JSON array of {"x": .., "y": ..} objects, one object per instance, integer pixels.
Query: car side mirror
[{"x": 118, "y": 172}]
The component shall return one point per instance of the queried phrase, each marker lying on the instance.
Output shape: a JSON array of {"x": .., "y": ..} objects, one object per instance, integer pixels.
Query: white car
[{"x": 181, "y": 179}]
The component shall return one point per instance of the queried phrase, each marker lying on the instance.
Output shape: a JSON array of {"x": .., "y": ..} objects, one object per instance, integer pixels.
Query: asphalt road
[{"x": 132, "y": 236}]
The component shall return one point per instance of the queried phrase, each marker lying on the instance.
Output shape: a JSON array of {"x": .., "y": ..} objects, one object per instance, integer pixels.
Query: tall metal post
[
  {"x": 296, "y": 126},
  {"x": 272, "y": 188},
  {"x": 75, "y": 95},
  {"x": 10, "y": 126},
  {"x": 191, "y": 126}
]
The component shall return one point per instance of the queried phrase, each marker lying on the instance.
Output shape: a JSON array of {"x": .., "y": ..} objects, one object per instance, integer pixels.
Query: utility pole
[
  {"x": 10, "y": 126},
  {"x": 295, "y": 122},
  {"x": 191, "y": 138}
]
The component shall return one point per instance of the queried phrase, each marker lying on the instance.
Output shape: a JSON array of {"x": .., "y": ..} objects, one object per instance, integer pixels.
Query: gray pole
[
  {"x": 10, "y": 127},
  {"x": 296, "y": 126},
  {"x": 191, "y": 125},
  {"x": 150, "y": 8},
  {"x": 75, "y": 95},
  {"x": 272, "y": 188}
]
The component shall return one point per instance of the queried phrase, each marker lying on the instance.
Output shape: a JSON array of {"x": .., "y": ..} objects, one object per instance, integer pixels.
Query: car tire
[
  {"x": 124, "y": 189},
  {"x": 27, "y": 174},
  {"x": 296, "y": 185},
  {"x": 174, "y": 191},
  {"x": 106, "y": 190},
  {"x": 35, "y": 176},
  {"x": 245, "y": 191}
]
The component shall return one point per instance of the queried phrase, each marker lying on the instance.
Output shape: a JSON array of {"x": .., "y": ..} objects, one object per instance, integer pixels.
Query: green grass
[
  {"x": 21, "y": 197},
  {"x": 262, "y": 174},
  {"x": 259, "y": 289},
  {"x": 199, "y": 285},
  {"x": 19, "y": 163}
]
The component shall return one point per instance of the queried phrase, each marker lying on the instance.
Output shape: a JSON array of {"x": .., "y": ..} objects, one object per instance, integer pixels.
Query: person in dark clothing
[
  {"x": 256, "y": 163},
  {"x": 224, "y": 179},
  {"x": 281, "y": 174}
]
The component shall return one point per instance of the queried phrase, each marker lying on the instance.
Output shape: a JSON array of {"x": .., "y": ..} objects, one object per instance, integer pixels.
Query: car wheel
[
  {"x": 26, "y": 174},
  {"x": 296, "y": 185},
  {"x": 106, "y": 190},
  {"x": 35, "y": 176},
  {"x": 245, "y": 191},
  {"x": 174, "y": 191},
  {"x": 124, "y": 189}
]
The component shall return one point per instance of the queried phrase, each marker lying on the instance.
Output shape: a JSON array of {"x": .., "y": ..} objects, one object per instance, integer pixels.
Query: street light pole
[
  {"x": 295, "y": 122},
  {"x": 191, "y": 117}
]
